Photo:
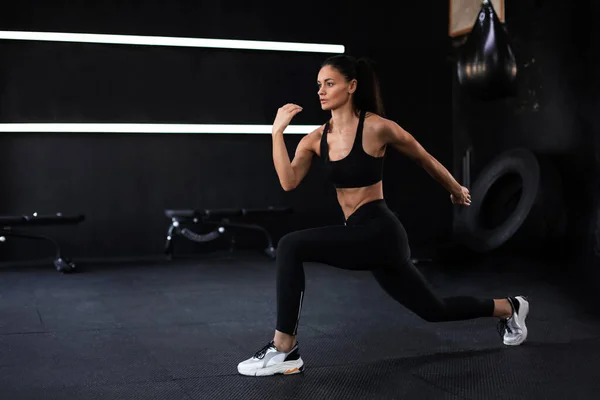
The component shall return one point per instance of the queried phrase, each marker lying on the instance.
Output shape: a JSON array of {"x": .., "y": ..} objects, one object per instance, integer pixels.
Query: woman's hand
[
  {"x": 284, "y": 117},
  {"x": 462, "y": 198}
]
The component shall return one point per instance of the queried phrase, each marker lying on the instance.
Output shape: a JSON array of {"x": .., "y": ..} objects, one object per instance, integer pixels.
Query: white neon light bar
[
  {"x": 172, "y": 41},
  {"x": 150, "y": 128}
]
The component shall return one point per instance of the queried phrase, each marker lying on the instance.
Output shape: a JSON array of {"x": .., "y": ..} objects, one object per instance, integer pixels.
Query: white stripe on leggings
[{"x": 299, "y": 310}]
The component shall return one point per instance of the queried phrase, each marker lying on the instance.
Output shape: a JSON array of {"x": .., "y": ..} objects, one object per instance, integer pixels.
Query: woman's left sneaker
[{"x": 270, "y": 361}]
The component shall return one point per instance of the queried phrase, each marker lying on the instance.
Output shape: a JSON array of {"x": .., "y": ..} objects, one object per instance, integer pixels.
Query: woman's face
[{"x": 334, "y": 90}]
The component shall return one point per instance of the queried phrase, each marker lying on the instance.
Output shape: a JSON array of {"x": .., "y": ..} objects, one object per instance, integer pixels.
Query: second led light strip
[{"x": 151, "y": 128}]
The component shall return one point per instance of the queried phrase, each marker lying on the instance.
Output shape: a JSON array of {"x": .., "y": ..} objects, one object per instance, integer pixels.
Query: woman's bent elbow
[{"x": 288, "y": 186}]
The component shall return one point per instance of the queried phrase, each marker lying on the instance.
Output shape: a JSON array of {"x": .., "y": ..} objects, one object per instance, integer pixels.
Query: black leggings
[{"x": 371, "y": 239}]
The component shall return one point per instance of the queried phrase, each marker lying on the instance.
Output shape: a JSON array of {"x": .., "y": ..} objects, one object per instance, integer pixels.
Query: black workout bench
[
  {"x": 7, "y": 223},
  {"x": 221, "y": 220}
]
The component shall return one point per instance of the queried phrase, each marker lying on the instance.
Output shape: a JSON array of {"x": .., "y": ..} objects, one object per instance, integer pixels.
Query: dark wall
[
  {"x": 122, "y": 183},
  {"x": 589, "y": 36},
  {"x": 554, "y": 113}
]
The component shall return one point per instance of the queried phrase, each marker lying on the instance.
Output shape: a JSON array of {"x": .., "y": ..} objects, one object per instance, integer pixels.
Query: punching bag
[{"x": 486, "y": 66}]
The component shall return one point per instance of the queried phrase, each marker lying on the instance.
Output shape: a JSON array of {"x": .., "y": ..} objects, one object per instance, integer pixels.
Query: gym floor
[{"x": 177, "y": 329}]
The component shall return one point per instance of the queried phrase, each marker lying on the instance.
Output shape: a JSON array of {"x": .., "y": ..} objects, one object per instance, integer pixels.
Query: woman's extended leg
[{"x": 405, "y": 283}]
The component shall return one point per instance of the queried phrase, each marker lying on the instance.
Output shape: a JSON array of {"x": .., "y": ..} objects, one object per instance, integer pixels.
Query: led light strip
[
  {"x": 172, "y": 41},
  {"x": 151, "y": 128},
  {"x": 161, "y": 41}
]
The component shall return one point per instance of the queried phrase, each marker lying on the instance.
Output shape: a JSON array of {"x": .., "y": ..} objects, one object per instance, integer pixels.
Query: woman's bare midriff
[{"x": 351, "y": 199}]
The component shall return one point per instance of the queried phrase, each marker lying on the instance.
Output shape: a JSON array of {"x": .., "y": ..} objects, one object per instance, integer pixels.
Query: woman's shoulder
[
  {"x": 376, "y": 123},
  {"x": 312, "y": 140},
  {"x": 317, "y": 133}
]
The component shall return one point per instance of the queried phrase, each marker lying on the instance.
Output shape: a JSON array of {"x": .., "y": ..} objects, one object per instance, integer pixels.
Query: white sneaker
[
  {"x": 270, "y": 361},
  {"x": 513, "y": 329}
]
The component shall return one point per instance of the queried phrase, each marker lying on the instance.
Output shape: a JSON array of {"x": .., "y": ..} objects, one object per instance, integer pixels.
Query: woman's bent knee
[{"x": 288, "y": 245}]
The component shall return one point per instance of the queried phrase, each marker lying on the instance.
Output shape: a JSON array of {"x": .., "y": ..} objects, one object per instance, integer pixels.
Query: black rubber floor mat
[{"x": 530, "y": 371}]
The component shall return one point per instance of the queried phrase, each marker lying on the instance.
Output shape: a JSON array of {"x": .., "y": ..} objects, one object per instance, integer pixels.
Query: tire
[{"x": 516, "y": 197}]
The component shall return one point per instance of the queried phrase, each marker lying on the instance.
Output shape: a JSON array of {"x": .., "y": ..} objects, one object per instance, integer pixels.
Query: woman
[{"x": 352, "y": 145}]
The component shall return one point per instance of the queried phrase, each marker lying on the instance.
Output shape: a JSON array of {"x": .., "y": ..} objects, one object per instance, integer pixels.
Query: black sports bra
[{"x": 357, "y": 169}]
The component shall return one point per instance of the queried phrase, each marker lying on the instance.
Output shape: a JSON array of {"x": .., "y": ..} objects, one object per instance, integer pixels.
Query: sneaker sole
[
  {"x": 284, "y": 368},
  {"x": 523, "y": 315}
]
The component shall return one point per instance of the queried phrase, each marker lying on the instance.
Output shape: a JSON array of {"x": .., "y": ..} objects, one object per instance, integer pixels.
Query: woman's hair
[{"x": 367, "y": 96}]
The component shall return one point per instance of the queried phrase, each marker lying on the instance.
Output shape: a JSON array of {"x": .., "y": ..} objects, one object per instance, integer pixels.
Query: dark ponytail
[{"x": 367, "y": 96}]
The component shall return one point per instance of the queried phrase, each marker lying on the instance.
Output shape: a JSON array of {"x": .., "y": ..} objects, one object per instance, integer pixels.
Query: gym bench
[
  {"x": 221, "y": 220},
  {"x": 7, "y": 223}
]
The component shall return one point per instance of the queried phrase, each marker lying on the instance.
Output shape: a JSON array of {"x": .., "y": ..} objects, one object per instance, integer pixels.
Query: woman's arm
[
  {"x": 406, "y": 144},
  {"x": 291, "y": 173}
]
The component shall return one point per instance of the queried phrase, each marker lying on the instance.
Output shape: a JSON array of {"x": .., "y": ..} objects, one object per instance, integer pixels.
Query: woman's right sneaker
[
  {"x": 270, "y": 361},
  {"x": 513, "y": 330}
]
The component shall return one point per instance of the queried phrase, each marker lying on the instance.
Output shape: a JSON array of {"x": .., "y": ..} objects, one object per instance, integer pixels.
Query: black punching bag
[{"x": 486, "y": 65}]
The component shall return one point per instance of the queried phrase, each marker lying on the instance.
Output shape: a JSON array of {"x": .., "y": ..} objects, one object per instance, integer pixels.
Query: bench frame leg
[{"x": 61, "y": 264}]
